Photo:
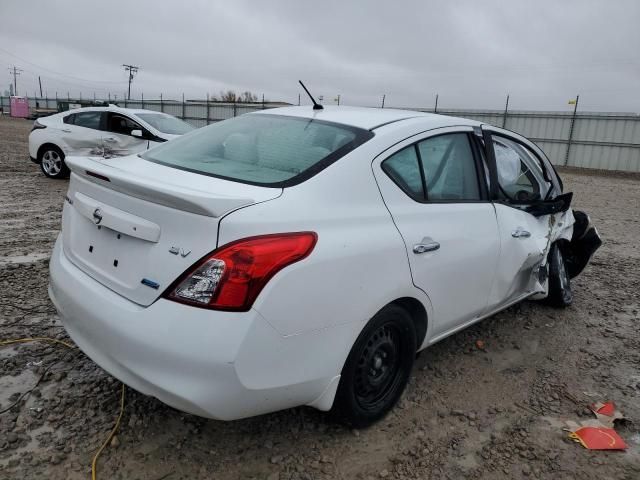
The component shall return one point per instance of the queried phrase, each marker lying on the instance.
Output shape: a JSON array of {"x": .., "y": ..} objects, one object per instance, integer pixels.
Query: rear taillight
[
  {"x": 37, "y": 126},
  {"x": 231, "y": 277}
]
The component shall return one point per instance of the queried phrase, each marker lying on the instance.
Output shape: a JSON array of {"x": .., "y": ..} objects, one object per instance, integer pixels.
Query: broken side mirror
[{"x": 559, "y": 204}]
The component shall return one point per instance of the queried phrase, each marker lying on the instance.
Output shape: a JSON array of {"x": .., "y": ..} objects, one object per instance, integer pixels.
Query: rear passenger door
[
  {"x": 117, "y": 139},
  {"x": 81, "y": 134},
  {"x": 435, "y": 190}
]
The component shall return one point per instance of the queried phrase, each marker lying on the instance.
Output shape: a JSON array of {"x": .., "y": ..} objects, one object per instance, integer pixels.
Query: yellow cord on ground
[
  {"x": 68, "y": 345},
  {"x": 106, "y": 442},
  {"x": 36, "y": 339}
]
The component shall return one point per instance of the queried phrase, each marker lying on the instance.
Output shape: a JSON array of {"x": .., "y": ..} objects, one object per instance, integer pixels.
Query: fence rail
[{"x": 608, "y": 141}]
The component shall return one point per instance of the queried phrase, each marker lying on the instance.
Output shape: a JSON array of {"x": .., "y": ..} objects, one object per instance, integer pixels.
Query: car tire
[
  {"x": 560, "y": 294},
  {"x": 51, "y": 160},
  {"x": 377, "y": 369}
]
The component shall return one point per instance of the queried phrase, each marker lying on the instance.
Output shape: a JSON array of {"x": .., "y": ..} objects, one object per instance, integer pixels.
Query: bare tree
[
  {"x": 231, "y": 96},
  {"x": 248, "y": 97}
]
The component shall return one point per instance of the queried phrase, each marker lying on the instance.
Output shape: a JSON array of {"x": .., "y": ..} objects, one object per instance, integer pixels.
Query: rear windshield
[
  {"x": 269, "y": 150},
  {"x": 166, "y": 123}
]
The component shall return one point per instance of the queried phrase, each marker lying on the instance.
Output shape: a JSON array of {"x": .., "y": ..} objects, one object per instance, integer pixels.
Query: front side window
[
  {"x": 520, "y": 174},
  {"x": 121, "y": 124},
  {"x": 269, "y": 150},
  {"x": 88, "y": 119},
  {"x": 166, "y": 123}
]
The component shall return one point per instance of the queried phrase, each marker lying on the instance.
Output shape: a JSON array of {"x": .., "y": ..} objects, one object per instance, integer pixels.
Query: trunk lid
[{"x": 135, "y": 226}]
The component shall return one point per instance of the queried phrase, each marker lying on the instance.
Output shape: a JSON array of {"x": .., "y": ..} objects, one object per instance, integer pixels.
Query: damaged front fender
[{"x": 584, "y": 242}]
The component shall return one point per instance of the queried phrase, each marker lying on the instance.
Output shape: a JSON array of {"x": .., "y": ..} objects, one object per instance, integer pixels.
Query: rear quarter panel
[
  {"x": 319, "y": 306},
  {"x": 359, "y": 263}
]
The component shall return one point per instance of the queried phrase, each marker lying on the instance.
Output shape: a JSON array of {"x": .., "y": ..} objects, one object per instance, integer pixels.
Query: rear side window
[
  {"x": 404, "y": 169},
  {"x": 69, "y": 119},
  {"x": 449, "y": 168},
  {"x": 440, "y": 168},
  {"x": 269, "y": 150},
  {"x": 88, "y": 119}
]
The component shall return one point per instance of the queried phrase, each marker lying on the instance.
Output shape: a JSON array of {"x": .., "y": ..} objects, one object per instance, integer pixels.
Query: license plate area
[{"x": 109, "y": 255}]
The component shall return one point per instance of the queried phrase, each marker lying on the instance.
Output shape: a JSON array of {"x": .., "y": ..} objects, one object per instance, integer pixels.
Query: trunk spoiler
[{"x": 170, "y": 195}]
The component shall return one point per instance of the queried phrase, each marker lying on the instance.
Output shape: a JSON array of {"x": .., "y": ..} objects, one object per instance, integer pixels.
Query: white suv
[{"x": 105, "y": 131}]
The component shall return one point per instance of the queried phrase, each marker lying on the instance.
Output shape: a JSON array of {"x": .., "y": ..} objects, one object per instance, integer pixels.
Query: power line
[
  {"x": 15, "y": 72},
  {"x": 132, "y": 69},
  {"x": 58, "y": 73}
]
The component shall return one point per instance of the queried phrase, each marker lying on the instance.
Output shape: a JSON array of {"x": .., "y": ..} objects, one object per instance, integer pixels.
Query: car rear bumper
[{"x": 189, "y": 358}]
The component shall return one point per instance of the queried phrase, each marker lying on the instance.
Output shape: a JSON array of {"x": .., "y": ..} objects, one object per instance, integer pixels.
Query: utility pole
[
  {"x": 506, "y": 110},
  {"x": 435, "y": 108},
  {"x": 383, "y": 97},
  {"x": 573, "y": 122},
  {"x": 132, "y": 69},
  {"x": 15, "y": 72},
  {"x": 40, "y": 82}
]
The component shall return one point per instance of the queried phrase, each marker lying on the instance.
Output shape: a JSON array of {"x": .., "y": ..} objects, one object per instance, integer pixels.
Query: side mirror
[
  {"x": 136, "y": 133},
  {"x": 548, "y": 207}
]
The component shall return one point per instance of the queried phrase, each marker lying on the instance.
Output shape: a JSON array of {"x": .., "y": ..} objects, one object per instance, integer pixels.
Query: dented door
[{"x": 524, "y": 243}]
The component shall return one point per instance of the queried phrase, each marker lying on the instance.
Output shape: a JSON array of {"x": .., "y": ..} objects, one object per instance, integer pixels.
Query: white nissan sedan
[
  {"x": 302, "y": 257},
  {"x": 103, "y": 131}
]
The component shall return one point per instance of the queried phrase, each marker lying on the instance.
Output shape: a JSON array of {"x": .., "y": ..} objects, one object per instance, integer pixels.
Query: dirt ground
[{"x": 495, "y": 412}]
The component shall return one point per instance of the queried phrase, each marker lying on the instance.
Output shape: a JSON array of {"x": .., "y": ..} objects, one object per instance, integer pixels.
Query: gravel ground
[{"x": 494, "y": 412}]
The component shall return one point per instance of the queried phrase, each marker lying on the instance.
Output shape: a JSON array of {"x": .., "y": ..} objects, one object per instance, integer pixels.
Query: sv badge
[{"x": 180, "y": 251}]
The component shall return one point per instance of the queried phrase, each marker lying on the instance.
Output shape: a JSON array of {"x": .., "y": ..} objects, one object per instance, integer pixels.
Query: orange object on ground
[
  {"x": 599, "y": 438},
  {"x": 606, "y": 408}
]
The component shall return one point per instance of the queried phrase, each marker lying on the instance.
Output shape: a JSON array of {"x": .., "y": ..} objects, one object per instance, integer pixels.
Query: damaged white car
[
  {"x": 302, "y": 256},
  {"x": 103, "y": 131}
]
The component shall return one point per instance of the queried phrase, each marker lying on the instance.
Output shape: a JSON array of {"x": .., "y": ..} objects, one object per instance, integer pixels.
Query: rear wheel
[
  {"x": 377, "y": 368},
  {"x": 52, "y": 162},
  {"x": 560, "y": 294}
]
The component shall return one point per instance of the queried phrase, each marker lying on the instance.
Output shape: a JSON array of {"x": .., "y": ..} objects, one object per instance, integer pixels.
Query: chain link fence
[{"x": 607, "y": 141}]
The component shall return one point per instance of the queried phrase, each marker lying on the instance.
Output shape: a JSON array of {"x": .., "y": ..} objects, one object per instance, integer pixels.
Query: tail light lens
[
  {"x": 37, "y": 126},
  {"x": 231, "y": 277}
]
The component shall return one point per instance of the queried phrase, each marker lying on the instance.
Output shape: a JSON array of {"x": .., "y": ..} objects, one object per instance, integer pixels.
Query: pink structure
[{"x": 19, "y": 107}]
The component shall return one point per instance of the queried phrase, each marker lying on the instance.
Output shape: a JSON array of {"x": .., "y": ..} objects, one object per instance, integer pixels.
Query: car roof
[
  {"x": 364, "y": 117},
  {"x": 111, "y": 108}
]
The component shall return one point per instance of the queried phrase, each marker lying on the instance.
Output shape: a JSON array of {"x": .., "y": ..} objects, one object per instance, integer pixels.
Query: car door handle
[
  {"x": 520, "y": 233},
  {"x": 419, "y": 248},
  {"x": 110, "y": 139},
  {"x": 66, "y": 130}
]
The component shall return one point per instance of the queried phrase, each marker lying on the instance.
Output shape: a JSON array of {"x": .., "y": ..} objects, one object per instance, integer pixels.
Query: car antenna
[{"x": 316, "y": 105}]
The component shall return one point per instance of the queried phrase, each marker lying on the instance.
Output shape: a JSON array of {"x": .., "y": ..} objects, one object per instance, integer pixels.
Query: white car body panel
[
  {"x": 290, "y": 347},
  {"x": 75, "y": 140}
]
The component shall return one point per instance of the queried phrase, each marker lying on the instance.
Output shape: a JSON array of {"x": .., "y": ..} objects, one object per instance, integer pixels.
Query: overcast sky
[{"x": 471, "y": 53}]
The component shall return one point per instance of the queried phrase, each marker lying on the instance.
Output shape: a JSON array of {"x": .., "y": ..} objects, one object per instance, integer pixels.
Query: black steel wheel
[
  {"x": 377, "y": 368},
  {"x": 560, "y": 294}
]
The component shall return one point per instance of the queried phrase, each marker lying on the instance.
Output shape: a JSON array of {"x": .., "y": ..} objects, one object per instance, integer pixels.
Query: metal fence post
[
  {"x": 142, "y": 96},
  {"x": 435, "y": 107},
  {"x": 506, "y": 109},
  {"x": 208, "y": 108},
  {"x": 573, "y": 122},
  {"x": 383, "y": 97},
  {"x": 235, "y": 108},
  {"x": 183, "y": 112},
  {"x": 161, "y": 104}
]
